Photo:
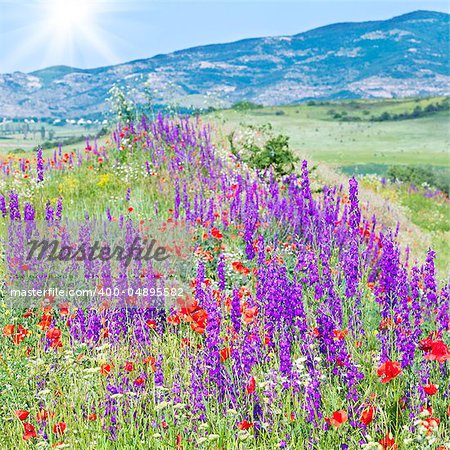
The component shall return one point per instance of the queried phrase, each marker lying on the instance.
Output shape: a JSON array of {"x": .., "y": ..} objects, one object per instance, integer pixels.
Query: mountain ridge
[{"x": 406, "y": 55}]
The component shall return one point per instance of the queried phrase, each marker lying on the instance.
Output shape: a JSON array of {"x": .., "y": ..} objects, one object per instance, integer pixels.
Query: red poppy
[
  {"x": 27, "y": 314},
  {"x": 430, "y": 389},
  {"x": 185, "y": 342},
  {"x": 245, "y": 425},
  {"x": 173, "y": 320},
  {"x": 30, "y": 432},
  {"x": 22, "y": 414},
  {"x": 139, "y": 381},
  {"x": 340, "y": 334},
  {"x": 129, "y": 366},
  {"x": 151, "y": 324},
  {"x": 53, "y": 333},
  {"x": 438, "y": 352},
  {"x": 337, "y": 419},
  {"x": 425, "y": 344},
  {"x": 199, "y": 318},
  {"x": 367, "y": 415},
  {"x": 42, "y": 415},
  {"x": 20, "y": 335},
  {"x": 150, "y": 360},
  {"x": 56, "y": 343},
  {"x": 59, "y": 428},
  {"x": 105, "y": 369},
  {"x": 251, "y": 386},
  {"x": 215, "y": 233},
  {"x": 250, "y": 314},
  {"x": 195, "y": 315},
  {"x": 45, "y": 322},
  {"x": 389, "y": 370},
  {"x": 239, "y": 267},
  {"x": 178, "y": 441},
  {"x": 130, "y": 209},
  {"x": 8, "y": 330},
  {"x": 430, "y": 424},
  {"x": 92, "y": 417},
  {"x": 388, "y": 442},
  {"x": 225, "y": 353}
]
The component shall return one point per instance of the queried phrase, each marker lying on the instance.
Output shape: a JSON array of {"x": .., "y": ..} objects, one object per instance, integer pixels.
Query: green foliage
[
  {"x": 317, "y": 136},
  {"x": 245, "y": 105},
  {"x": 275, "y": 153},
  {"x": 419, "y": 175},
  {"x": 416, "y": 113}
]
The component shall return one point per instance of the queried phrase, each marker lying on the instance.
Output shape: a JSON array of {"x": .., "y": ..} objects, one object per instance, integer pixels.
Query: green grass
[
  {"x": 427, "y": 213},
  {"x": 314, "y": 135},
  {"x": 432, "y": 216},
  {"x": 16, "y": 142}
]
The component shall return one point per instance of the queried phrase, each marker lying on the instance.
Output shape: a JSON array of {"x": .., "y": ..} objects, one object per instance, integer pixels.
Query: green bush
[
  {"x": 275, "y": 153},
  {"x": 245, "y": 105},
  {"x": 417, "y": 112},
  {"x": 435, "y": 177}
]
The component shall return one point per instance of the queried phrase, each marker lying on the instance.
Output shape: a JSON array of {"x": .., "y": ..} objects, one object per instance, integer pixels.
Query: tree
[{"x": 275, "y": 153}]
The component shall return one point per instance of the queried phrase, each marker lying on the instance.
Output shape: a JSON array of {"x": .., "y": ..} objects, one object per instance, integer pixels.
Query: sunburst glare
[
  {"x": 62, "y": 29},
  {"x": 67, "y": 17}
]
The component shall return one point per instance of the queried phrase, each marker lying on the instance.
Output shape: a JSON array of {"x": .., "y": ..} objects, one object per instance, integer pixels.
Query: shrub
[
  {"x": 275, "y": 153},
  {"x": 245, "y": 105},
  {"x": 418, "y": 175}
]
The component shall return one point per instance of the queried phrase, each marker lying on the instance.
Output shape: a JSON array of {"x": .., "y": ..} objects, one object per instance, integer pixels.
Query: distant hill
[{"x": 401, "y": 57}]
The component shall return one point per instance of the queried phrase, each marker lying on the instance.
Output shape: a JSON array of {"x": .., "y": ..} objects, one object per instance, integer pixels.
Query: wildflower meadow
[{"x": 268, "y": 313}]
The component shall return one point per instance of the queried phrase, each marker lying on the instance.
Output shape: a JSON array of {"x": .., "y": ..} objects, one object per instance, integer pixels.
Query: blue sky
[{"x": 39, "y": 33}]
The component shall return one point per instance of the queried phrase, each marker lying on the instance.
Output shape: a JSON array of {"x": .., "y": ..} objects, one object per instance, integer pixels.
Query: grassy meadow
[
  {"x": 303, "y": 324},
  {"x": 317, "y": 136}
]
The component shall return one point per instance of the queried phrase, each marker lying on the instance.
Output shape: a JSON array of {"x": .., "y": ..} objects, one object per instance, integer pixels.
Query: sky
[{"x": 35, "y": 34}]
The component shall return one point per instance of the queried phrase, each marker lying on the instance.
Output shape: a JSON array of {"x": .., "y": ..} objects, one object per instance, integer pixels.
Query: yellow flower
[
  {"x": 69, "y": 184},
  {"x": 104, "y": 180}
]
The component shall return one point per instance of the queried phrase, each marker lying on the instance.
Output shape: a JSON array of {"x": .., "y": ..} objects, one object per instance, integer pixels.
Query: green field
[
  {"x": 316, "y": 136},
  {"x": 19, "y": 136}
]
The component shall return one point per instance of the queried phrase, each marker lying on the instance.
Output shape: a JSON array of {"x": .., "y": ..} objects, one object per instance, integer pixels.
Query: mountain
[{"x": 401, "y": 57}]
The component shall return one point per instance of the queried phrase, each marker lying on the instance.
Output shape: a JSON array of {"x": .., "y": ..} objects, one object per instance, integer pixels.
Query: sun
[
  {"x": 66, "y": 17},
  {"x": 68, "y": 32},
  {"x": 70, "y": 29}
]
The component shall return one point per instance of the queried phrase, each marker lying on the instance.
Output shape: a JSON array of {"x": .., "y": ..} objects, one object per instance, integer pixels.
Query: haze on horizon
[{"x": 35, "y": 34}]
